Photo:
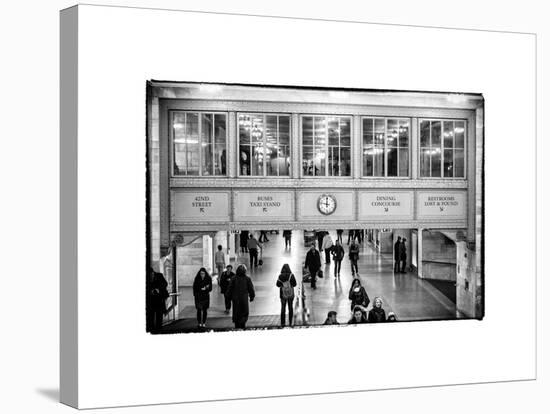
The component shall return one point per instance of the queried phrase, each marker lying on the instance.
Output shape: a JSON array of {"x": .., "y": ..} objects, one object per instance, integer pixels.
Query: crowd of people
[{"x": 238, "y": 291}]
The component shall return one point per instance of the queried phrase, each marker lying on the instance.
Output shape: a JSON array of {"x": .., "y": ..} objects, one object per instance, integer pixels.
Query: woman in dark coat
[
  {"x": 157, "y": 295},
  {"x": 358, "y": 295},
  {"x": 202, "y": 286},
  {"x": 240, "y": 290},
  {"x": 377, "y": 314}
]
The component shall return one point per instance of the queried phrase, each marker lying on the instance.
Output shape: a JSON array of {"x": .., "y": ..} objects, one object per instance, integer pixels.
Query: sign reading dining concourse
[
  {"x": 200, "y": 206},
  {"x": 384, "y": 205},
  {"x": 275, "y": 205}
]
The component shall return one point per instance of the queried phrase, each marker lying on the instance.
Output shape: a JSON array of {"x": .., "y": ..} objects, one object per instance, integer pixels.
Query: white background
[{"x": 30, "y": 209}]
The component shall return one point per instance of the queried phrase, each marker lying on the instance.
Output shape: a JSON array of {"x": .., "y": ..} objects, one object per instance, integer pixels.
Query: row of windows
[{"x": 200, "y": 145}]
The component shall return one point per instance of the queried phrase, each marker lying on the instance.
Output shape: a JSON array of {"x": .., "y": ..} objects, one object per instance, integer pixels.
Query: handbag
[{"x": 320, "y": 273}]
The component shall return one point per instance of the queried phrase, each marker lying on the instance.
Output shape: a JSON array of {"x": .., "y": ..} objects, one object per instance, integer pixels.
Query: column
[
  {"x": 356, "y": 147},
  {"x": 296, "y": 144},
  {"x": 419, "y": 253},
  {"x": 415, "y": 144},
  {"x": 232, "y": 145}
]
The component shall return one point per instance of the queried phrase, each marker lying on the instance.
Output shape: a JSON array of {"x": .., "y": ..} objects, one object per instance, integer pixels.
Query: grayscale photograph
[{"x": 273, "y": 207}]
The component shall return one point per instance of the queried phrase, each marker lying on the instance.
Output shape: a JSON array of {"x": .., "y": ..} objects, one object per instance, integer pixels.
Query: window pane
[
  {"x": 368, "y": 161},
  {"x": 425, "y": 162},
  {"x": 379, "y": 131},
  {"x": 320, "y": 161},
  {"x": 320, "y": 133},
  {"x": 257, "y": 159},
  {"x": 271, "y": 148},
  {"x": 345, "y": 132},
  {"x": 257, "y": 130},
  {"x": 459, "y": 134},
  {"x": 244, "y": 160},
  {"x": 392, "y": 162},
  {"x": 345, "y": 162},
  {"x": 244, "y": 129},
  {"x": 448, "y": 134},
  {"x": 180, "y": 143},
  {"x": 333, "y": 131},
  {"x": 284, "y": 130},
  {"x": 206, "y": 143},
  {"x": 425, "y": 133},
  {"x": 307, "y": 160},
  {"x": 220, "y": 159},
  {"x": 459, "y": 163},
  {"x": 307, "y": 130},
  {"x": 392, "y": 134},
  {"x": 284, "y": 160},
  {"x": 333, "y": 161},
  {"x": 378, "y": 161},
  {"x": 436, "y": 133},
  {"x": 436, "y": 162},
  {"x": 192, "y": 137},
  {"x": 219, "y": 128},
  {"x": 404, "y": 134},
  {"x": 403, "y": 162},
  {"x": 448, "y": 163},
  {"x": 368, "y": 125}
]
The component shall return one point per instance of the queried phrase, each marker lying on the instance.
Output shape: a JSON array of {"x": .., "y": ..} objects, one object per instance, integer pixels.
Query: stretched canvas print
[
  {"x": 274, "y": 206},
  {"x": 300, "y": 194}
]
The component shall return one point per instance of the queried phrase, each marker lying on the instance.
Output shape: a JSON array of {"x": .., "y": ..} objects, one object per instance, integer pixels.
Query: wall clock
[{"x": 326, "y": 204}]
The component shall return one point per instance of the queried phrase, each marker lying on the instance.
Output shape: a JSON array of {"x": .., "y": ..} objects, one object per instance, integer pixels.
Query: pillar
[{"x": 419, "y": 253}]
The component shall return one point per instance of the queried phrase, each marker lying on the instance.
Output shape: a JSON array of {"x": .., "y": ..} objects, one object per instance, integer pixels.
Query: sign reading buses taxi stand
[{"x": 260, "y": 205}]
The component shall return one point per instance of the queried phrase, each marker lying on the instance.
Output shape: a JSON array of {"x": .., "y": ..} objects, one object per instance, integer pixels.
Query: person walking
[
  {"x": 403, "y": 255},
  {"x": 287, "y": 234},
  {"x": 358, "y": 316},
  {"x": 327, "y": 246},
  {"x": 331, "y": 318},
  {"x": 224, "y": 281},
  {"x": 219, "y": 260},
  {"x": 377, "y": 313},
  {"x": 243, "y": 239},
  {"x": 338, "y": 253},
  {"x": 253, "y": 246},
  {"x": 354, "y": 257},
  {"x": 339, "y": 233},
  {"x": 286, "y": 282},
  {"x": 320, "y": 235},
  {"x": 351, "y": 235},
  {"x": 263, "y": 236},
  {"x": 241, "y": 291},
  {"x": 202, "y": 286},
  {"x": 313, "y": 264},
  {"x": 397, "y": 255},
  {"x": 358, "y": 295}
]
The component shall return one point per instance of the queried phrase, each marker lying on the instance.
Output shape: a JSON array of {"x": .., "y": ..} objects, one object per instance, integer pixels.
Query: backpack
[{"x": 287, "y": 291}]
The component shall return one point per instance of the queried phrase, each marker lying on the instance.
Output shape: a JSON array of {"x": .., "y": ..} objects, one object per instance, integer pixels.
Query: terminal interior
[{"x": 406, "y": 294}]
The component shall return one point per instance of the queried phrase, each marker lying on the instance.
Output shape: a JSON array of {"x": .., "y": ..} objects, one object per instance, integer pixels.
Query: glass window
[
  {"x": 442, "y": 148},
  {"x": 386, "y": 147},
  {"x": 199, "y": 143},
  {"x": 264, "y": 145},
  {"x": 326, "y": 146}
]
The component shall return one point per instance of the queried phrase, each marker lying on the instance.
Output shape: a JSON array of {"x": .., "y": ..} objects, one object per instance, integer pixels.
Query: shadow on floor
[{"x": 49, "y": 393}]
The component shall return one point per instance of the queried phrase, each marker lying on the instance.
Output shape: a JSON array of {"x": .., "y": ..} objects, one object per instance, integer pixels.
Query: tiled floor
[{"x": 405, "y": 294}]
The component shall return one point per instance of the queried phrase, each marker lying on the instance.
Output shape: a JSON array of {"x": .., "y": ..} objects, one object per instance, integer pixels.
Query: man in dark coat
[
  {"x": 313, "y": 264},
  {"x": 225, "y": 278},
  {"x": 403, "y": 255},
  {"x": 240, "y": 290},
  {"x": 157, "y": 293},
  {"x": 396, "y": 255}
]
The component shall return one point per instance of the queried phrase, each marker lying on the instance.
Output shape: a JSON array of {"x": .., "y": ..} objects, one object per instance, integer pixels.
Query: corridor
[{"x": 409, "y": 297}]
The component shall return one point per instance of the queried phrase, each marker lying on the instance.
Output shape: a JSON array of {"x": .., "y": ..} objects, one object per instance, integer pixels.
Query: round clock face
[{"x": 326, "y": 204}]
